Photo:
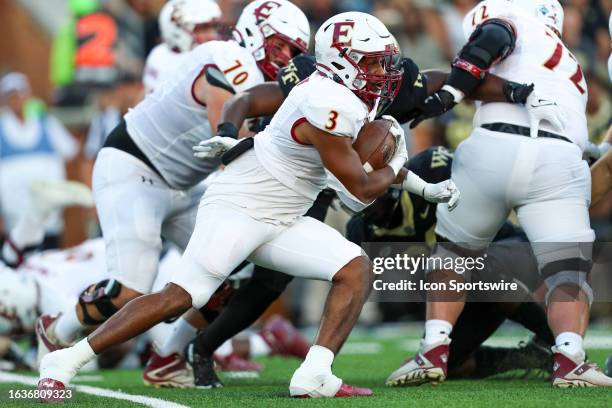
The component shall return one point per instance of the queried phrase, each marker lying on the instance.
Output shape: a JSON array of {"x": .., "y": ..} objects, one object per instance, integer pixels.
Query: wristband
[
  {"x": 469, "y": 67},
  {"x": 396, "y": 164},
  {"x": 457, "y": 94},
  {"x": 227, "y": 129},
  {"x": 414, "y": 184}
]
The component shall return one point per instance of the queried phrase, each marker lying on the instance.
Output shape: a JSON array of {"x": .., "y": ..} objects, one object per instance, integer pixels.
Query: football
[{"x": 375, "y": 144}]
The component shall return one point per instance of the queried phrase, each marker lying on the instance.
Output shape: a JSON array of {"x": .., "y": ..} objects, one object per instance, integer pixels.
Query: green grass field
[{"x": 368, "y": 359}]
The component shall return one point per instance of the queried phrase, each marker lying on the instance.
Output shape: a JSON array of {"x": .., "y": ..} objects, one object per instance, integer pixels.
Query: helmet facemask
[
  {"x": 376, "y": 77},
  {"x": 274, "y": 57}
]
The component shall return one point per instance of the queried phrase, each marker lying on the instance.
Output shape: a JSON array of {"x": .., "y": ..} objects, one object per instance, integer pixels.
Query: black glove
[
  {"x": 517, "y": 93},
  {"x": 227, "y": 129},
  {"x": 435, "y": 105}
]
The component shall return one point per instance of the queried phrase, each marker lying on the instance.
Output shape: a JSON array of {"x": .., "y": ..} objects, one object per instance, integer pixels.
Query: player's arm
[
  {"x": 261, "y": 100},
  {"x": 601, "y": 175},
  {"x": 491, "y": 41},
  {"x": 601, "y": 171},
  {"x": 343, "y": 162},
  {"x": 491, "y": 89},
  {"x": 265, "y": 99}
]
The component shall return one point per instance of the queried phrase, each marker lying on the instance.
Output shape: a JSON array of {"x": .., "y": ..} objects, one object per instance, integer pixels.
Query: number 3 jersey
[
  {"x": 541, "y": 58},
  {"x": 170, "y": 121},
  {"x": 282, "y": 178}
]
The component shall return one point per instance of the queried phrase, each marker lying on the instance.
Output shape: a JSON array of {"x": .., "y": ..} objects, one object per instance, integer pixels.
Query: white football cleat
[
  {"x": 47, "y": 342},
  {"x": 573, "y": 371},
  {"x": 171, "y": 371},
  {"x": 428, "y": 366}
]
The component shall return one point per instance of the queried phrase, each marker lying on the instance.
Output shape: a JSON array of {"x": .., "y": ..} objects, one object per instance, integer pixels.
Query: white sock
[
  {"x": 437, "y": 330},
  {"x": 67, "y": 326},
  {"x": 181, "y": 336},
  {"x": 319, "y": 358},
  {"x": 569, "y": 342},
  {"x": 63, "y": 365},
  {"x": 258, "y": 346}
]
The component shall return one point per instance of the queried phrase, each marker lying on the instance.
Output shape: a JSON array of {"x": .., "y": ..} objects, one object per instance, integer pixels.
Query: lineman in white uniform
[
  {"x": 254, "y": 209},
  {"x": 540, "y": 174},
  {"x": 146, "y": 180},
  {"x": 182, "y": 23}
]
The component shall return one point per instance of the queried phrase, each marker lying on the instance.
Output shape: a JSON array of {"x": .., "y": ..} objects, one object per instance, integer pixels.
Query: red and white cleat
[
  {"x": 51, "y": 390},
  {"x": 233, "y": 362},
  {"x": 428, "y": 366},
  {"x": 284, "y": 339},
  {"x": 172, "y": 371},
  {"x": 45, "y": 338},
  {"x": 573, "y": 371}
]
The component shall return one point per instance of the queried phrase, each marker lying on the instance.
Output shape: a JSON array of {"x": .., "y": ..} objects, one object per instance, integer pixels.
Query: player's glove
[
  {"x": 539, "y": 109},
  {"x": 443, "y": 192},
  {"x": 214, "y": 147},
  {"x": 400, "y": 156},
  {"x": 594, "y": 152},
  {"x": 517, "y": 93}
]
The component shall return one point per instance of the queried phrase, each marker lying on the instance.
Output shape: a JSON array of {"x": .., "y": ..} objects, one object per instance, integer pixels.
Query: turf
[{"x": 270, "y": 389}]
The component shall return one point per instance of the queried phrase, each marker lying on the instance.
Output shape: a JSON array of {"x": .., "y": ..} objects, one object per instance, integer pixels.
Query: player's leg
[
  {"x": 131, "y": 201},
  {"x": 218, "y": 230},
  {"x": 167, "y": 366},
  {"x": 555, "y": 218},
  {"x": 314, "y": 250},
  {"x": 481, "y": 177},
  {"x": 246, "y": 305}
]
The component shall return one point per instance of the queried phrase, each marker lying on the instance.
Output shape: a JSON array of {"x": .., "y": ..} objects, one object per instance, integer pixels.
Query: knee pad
[
  {"x": 569, "y": 277},
  {"x": 100, "y": 296}
]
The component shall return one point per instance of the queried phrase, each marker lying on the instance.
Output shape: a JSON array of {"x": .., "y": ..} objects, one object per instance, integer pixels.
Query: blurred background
[{"x": 74, "y": 92}]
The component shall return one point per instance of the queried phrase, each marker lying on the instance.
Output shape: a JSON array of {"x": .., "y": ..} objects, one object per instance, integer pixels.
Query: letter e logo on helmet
[
  {"x": 264, "y": 11},
  {"x": 343, "y": 33}
]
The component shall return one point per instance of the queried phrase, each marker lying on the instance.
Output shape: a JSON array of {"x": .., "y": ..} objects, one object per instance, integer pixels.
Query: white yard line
[{"x": 100, "y": 392}]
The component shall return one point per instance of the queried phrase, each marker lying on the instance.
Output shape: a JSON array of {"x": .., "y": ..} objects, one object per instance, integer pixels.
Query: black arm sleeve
[
  {"x": 412, "y": 93},
  {"x": 490, "y": 42}
]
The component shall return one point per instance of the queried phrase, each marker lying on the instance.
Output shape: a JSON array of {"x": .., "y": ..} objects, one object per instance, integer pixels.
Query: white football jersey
[
  {"x": 323, "y": 103},
  {"x": 159, "y": 66},
  {"x": 62, "y": 274},
  {"x": 170, "y": 121},
  {"x": 539, "y": 57}
]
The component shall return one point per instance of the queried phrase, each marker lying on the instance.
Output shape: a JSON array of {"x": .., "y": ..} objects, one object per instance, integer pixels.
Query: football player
[
  {"x": 539, "y": 172},
  {"x": 146, "y": 181},
  {"x": 252, "y": 299},
  {"x": 254, "y": 208},
  {"x": 184, "y": 24}
]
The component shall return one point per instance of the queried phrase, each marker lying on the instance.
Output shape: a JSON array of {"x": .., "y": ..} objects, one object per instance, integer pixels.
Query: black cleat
[
  {"x": 203, "y": 368},
  {"x": 527, "y": 360},
  {"x": 608, "y": 366}
]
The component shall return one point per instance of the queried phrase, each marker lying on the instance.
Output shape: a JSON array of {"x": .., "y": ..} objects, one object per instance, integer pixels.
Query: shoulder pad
[
  {"x": 298, "y": 69},
  {"x": 485, "y": 10},
  {"x": 333, "y": 108}
]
